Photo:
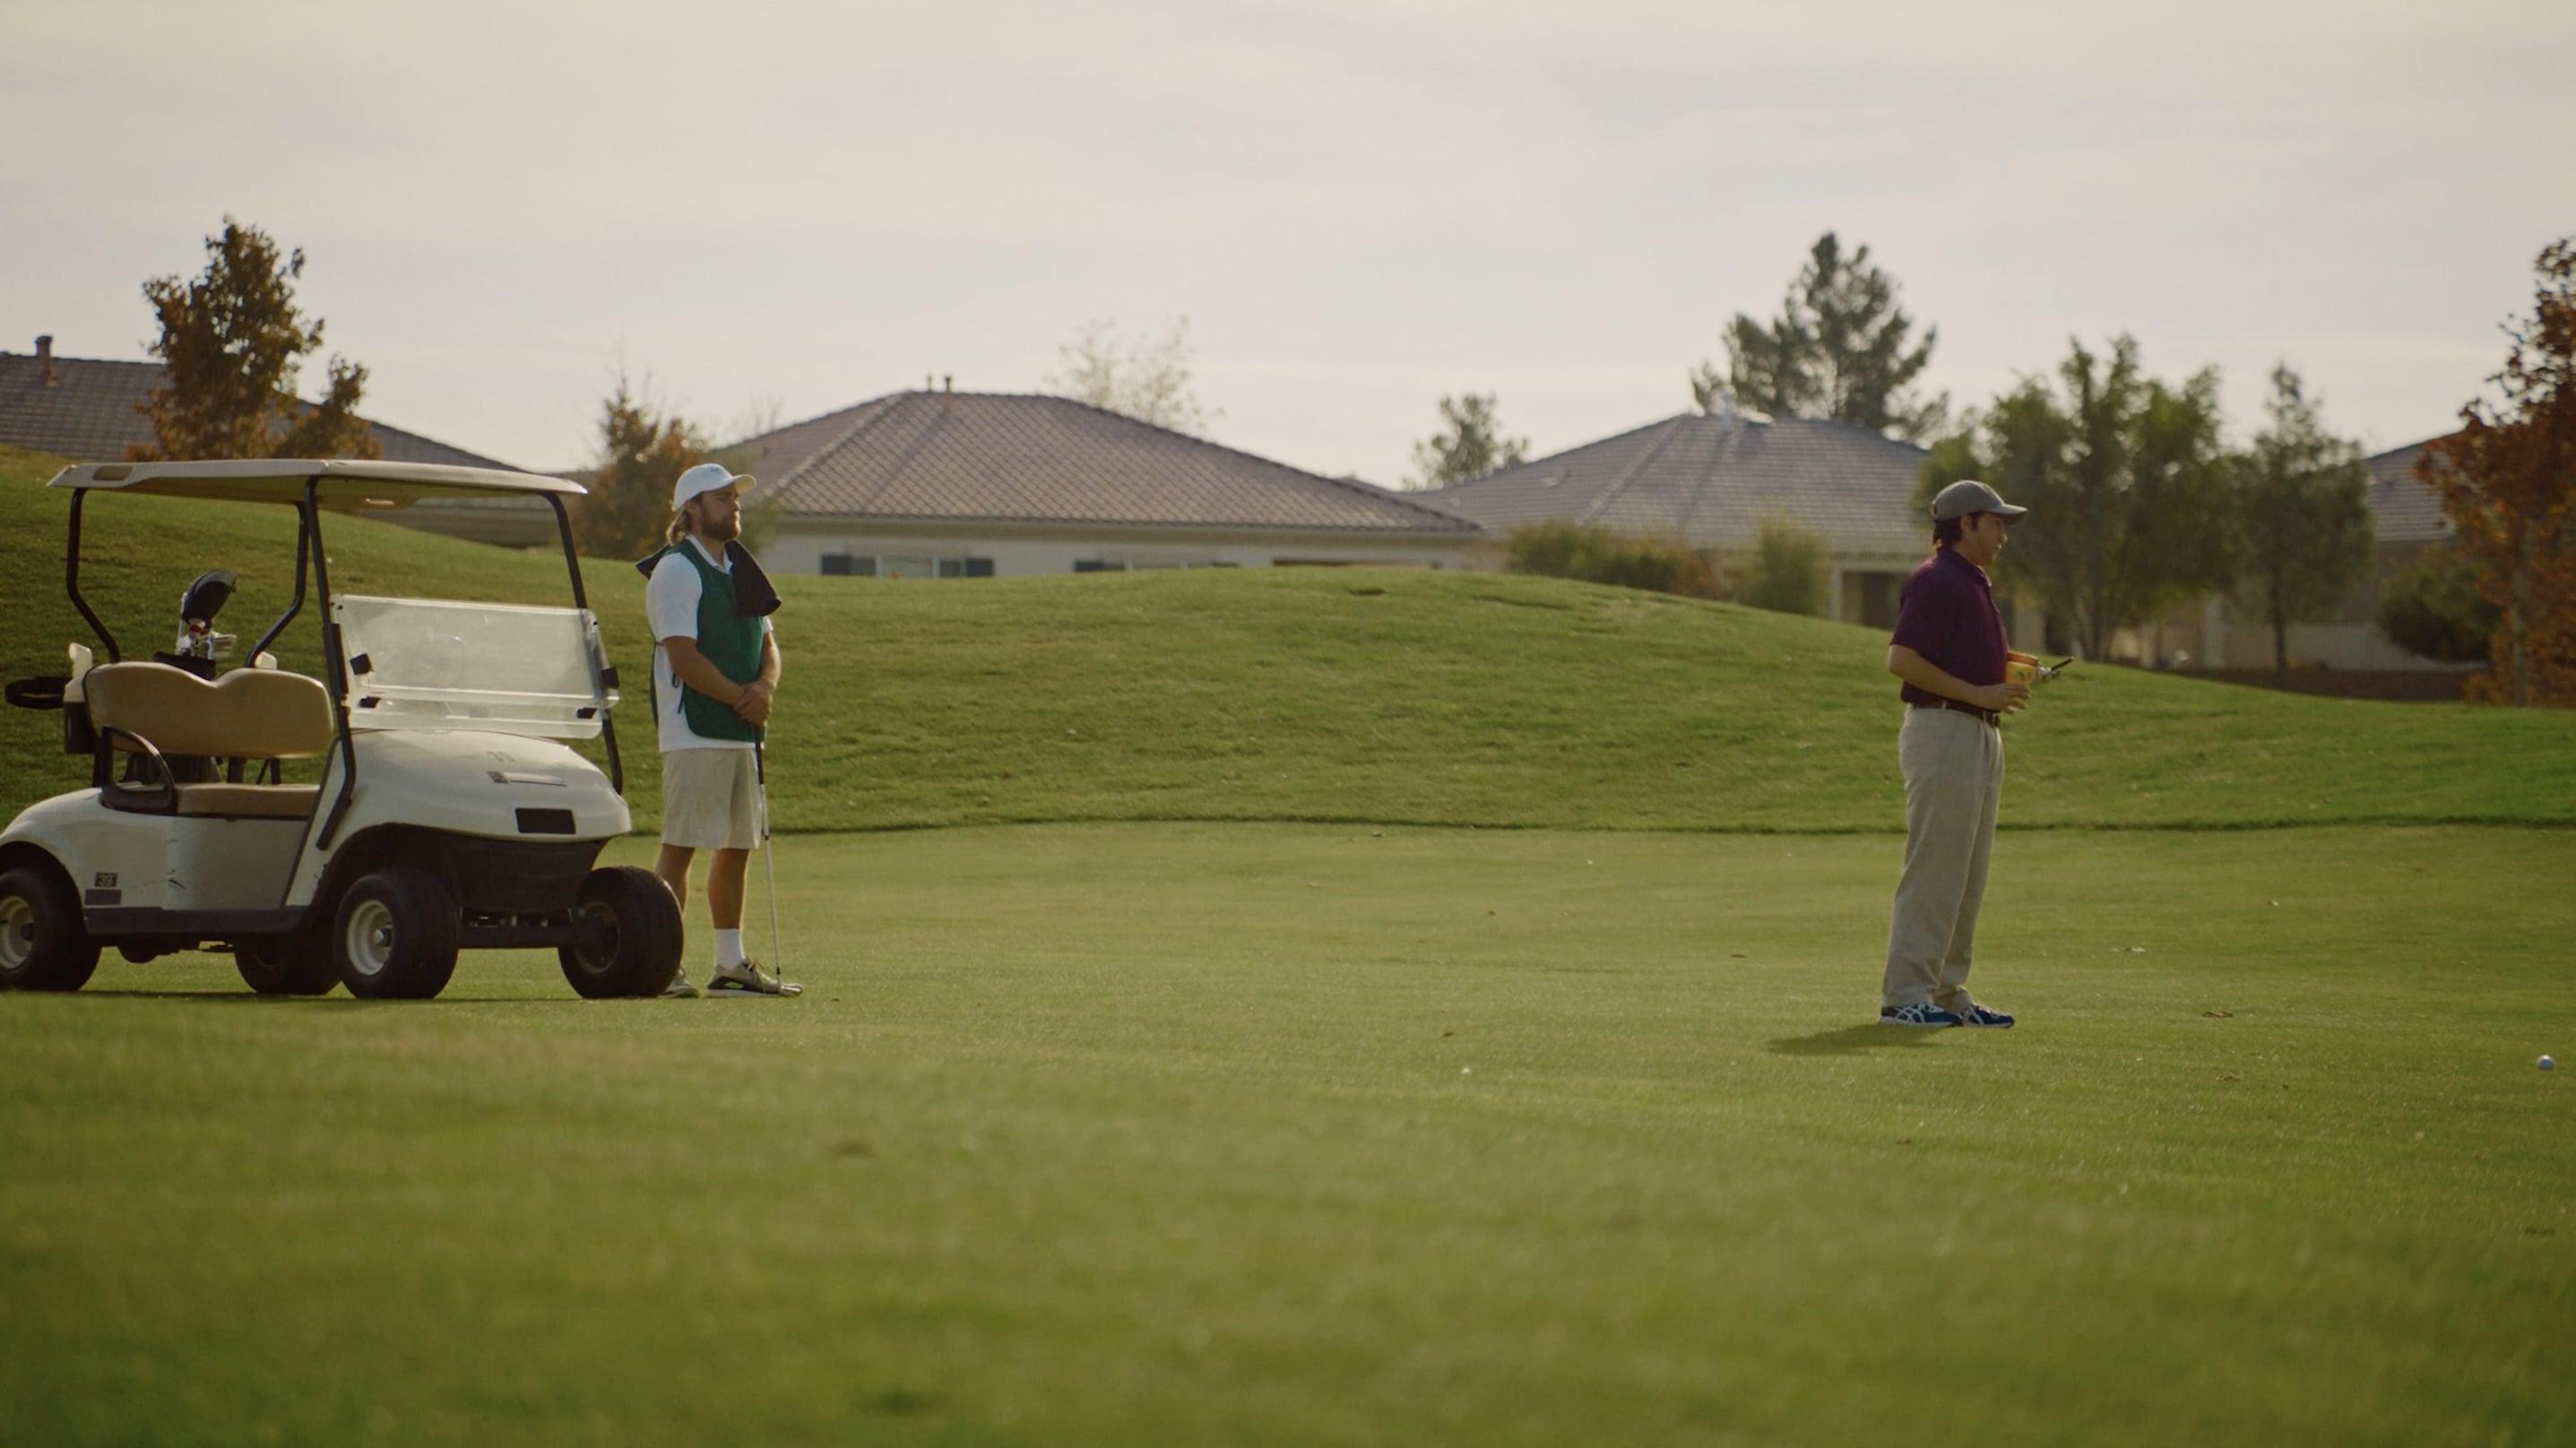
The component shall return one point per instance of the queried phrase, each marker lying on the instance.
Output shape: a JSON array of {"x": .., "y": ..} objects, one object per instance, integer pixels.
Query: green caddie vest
[{"x": 729, "y": 641}]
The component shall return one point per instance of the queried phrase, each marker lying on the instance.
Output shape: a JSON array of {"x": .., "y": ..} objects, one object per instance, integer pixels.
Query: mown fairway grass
[
  {"x": 1250, "y": 1130},
  {"x": 1132, "y": 1134}
]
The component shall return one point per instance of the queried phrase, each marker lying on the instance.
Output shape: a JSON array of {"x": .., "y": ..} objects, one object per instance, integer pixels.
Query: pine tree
[
  {"x": 1469, "y": 444},
  {"x": 1838, "y": 350}
]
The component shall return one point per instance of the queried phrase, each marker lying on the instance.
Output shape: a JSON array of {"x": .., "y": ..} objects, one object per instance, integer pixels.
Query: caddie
[
  {"x": 715, "y": 672},
  {"x": 1949, "y": 649}
]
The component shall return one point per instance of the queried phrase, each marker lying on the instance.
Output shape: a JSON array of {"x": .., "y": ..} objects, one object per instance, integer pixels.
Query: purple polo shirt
[{"x": 1947, "y": 614}]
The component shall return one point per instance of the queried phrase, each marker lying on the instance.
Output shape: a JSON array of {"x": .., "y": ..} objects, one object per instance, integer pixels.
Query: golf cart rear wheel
[
  {"x": 286, "y": 965},
  {"x": 632, "y": 935},
  {"x": 43, "y": 943},
  {"x": 394, "y": 936}
]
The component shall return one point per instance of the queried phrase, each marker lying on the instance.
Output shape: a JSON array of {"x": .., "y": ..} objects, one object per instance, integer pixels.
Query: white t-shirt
[{"x": 671, "y": 607}]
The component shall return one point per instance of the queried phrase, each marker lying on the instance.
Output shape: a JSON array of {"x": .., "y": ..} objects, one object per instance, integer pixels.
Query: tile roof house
[
  {"x": 2406, "y": 519},
  {"x": 88, "y": 410},
  {"x": 1708, "y": 480},
  {"x": 2404, "y": 508},
  {"x": 963, "y": 484}
]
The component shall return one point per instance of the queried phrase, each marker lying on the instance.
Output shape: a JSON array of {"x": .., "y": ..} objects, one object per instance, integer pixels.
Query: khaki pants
[{"x": 1954, "y": 780}]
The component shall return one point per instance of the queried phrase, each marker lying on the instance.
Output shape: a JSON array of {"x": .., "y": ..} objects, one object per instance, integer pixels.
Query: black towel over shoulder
[{"x": 754, "y": 596}]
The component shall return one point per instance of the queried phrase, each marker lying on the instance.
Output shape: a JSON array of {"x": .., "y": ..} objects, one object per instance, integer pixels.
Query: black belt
[{"x": 1991, "y": 719}]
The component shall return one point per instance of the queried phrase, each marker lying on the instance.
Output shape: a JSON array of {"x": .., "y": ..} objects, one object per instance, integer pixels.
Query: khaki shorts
[{"x": 711, "y": 799}]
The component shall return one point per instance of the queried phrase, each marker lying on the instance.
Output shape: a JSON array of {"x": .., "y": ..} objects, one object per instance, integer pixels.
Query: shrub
[
  {"x": 1597, "y": 555},
  {"x": 2434, "y": 609},
  {"x": 1784, "y": 571}
]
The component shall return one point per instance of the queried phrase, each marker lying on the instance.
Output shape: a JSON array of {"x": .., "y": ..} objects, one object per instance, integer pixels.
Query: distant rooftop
[
  {"x": 2405, "y": 508},
  {"x": 1001, "y": 457},
  {"x": 1709, "y": 480},
  {"x": 90, "y": 413}
]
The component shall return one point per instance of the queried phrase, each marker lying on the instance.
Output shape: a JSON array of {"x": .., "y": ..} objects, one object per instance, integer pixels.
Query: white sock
[{"x": 728, "y": 948}]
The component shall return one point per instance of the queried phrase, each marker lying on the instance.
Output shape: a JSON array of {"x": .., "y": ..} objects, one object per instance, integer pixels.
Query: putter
[{"x": 769, "y": 867}]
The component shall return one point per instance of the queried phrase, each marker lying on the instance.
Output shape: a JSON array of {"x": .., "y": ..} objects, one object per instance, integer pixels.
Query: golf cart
[{"x": 450, "y": 814}]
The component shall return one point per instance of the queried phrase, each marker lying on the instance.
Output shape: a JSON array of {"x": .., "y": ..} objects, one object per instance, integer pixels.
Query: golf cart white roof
[{"x": 354, "y": 487}]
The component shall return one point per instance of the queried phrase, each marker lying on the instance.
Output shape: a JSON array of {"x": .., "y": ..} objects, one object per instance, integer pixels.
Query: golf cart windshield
[{"x": 426, "y": 664}]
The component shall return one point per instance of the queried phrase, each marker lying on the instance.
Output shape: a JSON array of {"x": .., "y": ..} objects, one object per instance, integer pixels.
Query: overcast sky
[{"x": 1358, "y": 206}]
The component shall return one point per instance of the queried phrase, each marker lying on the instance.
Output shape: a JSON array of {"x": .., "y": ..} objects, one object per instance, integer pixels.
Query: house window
[
  {"x": 903, "y": 565},
  {"x": 1124, "y": 565},
  {"x": 1097, "y": 565}
]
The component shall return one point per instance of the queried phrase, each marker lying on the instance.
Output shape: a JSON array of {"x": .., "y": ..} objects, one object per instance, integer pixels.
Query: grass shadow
[
  {"x": 1851, "y": 1040},
  {"x": 327, "y": 1002}
]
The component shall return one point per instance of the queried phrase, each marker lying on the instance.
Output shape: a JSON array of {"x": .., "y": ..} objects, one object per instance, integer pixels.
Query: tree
[
  {"x": 2127, "y": 488},
  {"x": 643, "y": 448},
  {"x": 2303, "y": 518},
  {"x": 231, "y": 345},
  {"x": 2434, "y": 608},
  {"x": 1148, "y": 379},
  {"x": 2508, "y": 483},
  {"x": 1784, "y": 570},
  {"x": 1470, "y": 444},
  {"x": 1838, "y": 350}
]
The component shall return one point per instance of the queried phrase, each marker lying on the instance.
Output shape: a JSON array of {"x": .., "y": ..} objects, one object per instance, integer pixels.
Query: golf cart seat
[{"x": 159, "y": 710}]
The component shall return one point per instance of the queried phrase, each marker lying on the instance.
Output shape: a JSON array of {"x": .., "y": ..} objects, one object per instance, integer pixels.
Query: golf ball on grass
[{"x": 2547, "y": 1064}]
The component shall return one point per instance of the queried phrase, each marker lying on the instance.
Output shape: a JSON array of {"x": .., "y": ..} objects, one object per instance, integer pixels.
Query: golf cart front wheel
[
  {"x": 394, "y": 936},
  {"x": 286, "y": 965},
  {"x": 43, "y": 943},
  {"x": 631, "y": 935}
]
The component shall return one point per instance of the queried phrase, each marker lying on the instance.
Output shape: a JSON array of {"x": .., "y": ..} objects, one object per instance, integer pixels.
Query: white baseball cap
[{"x": 706, "y": 478}]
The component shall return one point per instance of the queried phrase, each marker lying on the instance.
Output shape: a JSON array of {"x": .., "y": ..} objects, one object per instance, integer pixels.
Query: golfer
[
  {"x": 1949, "y": 650},
  {"x": 714, "y": 674}
]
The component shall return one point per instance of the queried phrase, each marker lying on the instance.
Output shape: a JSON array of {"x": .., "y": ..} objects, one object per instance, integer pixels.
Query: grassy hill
[{"x": 1333, "y": 695}]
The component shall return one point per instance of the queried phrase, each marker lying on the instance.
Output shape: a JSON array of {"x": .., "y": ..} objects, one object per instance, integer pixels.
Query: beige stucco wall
[
  {"x": 2211, "y": 635},
  {"x": 1848, "y": 596}
]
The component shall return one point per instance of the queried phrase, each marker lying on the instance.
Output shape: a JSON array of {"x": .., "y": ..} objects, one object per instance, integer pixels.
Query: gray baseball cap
[{"x": 1970, "y": 496}]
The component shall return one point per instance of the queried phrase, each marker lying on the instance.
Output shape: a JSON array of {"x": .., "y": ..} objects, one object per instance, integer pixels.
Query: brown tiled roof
[
  {"x": 89, "y": 413},
  {"x": 992, "y": 457},
  {"x": 1710, "y": 480},
  {"x": 2404, "y": 508}
]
